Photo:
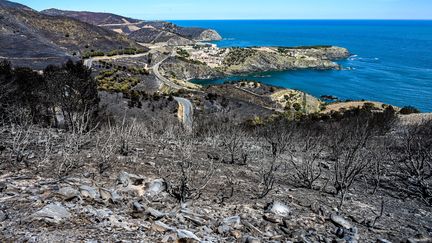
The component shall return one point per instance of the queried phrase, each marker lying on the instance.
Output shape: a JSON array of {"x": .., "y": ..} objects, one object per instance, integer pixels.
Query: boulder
[
  {"x": 340, "y": 221},
  {"x": 3, "y": 216},
  {"x": 127, "y": 179},
  {"x": 68, "y": 193},
  {"x": 100, "y": 214},
  {"x": 232, "y": 221},
  {"x": 138, "y": 207},
  {"x": 155, "y": 187},
  {"x": 155, "y": 213},
  {"x": 52, "y": 213},
  {"x": 161, "y": 227},
  {"x": 108, "y": 195},
  {"x": 123, "y": 179},
  {"x": 89, "y": 192}
]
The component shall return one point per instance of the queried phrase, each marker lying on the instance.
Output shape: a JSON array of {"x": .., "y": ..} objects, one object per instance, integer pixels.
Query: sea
[{"x": 391, "y": 60}]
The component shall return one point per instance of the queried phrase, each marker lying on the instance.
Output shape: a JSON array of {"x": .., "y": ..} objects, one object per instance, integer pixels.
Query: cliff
[
  {"x": 199, "y": 63},
  {"x": 245, "y": 60},
  {"x": 186, "y": 69}
]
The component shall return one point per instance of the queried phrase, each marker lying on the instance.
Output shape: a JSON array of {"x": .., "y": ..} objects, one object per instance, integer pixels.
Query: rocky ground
[{"x": 130, "y": 203}]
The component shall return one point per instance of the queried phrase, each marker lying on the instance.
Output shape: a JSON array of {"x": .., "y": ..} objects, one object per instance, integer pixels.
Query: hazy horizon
[{"x": 250, "y": 10}]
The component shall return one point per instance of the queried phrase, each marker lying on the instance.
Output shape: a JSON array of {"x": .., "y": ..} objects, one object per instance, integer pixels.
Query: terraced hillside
[{"x": 127, "y": 26}]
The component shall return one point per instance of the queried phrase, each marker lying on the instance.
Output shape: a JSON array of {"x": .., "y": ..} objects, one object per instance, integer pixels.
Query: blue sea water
[{"x": 391, "y": 62}]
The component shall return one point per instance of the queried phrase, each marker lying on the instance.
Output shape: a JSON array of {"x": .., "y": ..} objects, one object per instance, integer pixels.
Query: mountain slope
[
  {"x": 28, "y": 37},
  {"x": 127, "y": 26},
  {"x": 153, "y": 35},
  {"x": 91, "y": 17}
]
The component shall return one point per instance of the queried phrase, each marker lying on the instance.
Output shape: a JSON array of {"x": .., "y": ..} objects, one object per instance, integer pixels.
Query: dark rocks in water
[{"x": 329, "y": 97}]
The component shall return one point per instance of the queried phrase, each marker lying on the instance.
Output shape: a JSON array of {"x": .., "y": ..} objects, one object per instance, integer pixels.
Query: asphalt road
[
  {"x": 166, "y": 81},
  {"x": 184, "y": 104},
  {"x": 187, "y": 112}
]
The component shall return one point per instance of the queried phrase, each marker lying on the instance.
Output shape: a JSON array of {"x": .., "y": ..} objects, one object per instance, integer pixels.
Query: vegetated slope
[
  {"x": 127, "y": 25},
  {"x": 30, "y": 38}
]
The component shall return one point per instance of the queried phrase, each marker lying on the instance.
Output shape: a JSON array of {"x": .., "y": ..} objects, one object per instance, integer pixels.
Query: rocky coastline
[{"x": 209, "y": 62}]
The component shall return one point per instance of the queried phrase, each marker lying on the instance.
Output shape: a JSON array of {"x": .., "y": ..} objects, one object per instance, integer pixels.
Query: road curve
[
  {"x": 164, "y": 80},
  {"x": 185, "y": 106},
  {"x": 185, "y": 112}
]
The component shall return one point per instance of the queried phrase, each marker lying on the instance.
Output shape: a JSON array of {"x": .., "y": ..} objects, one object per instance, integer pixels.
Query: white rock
[
  {"x": 278, "y": 208},
  {"x": 341, "y": 222},
  {"x": 185, "y": 234},
  {"x": 52, "y": 213},
  {"x": 155, "y": 187},
  {"x": 89, "y": 192}
]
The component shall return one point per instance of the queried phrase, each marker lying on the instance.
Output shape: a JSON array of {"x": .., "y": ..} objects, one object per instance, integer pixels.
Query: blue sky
[{"x": 248, "y": 9}]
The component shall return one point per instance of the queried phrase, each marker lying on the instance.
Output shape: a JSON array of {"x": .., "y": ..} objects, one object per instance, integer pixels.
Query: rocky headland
[{"x": 209, "y": 61}]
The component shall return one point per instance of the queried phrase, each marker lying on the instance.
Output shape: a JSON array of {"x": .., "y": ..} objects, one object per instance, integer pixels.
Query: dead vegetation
[{"x": 360, "y": 164}]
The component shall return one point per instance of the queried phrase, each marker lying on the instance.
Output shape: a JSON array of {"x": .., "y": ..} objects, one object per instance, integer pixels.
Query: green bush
[
  {"x": 238, "y": 56},
  {"x": 409, "y": 110},
  {"x": 297, "y": 106},
  {"x": 183, "y": 53}
]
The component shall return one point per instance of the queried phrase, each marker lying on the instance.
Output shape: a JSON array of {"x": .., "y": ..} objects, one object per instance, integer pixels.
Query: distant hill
[
  {"x": 30, "y": 38},
  {"x": 91, "y": 17},
  {"x": 127, "y": 26},
  {"x": 7, "y": 4}
]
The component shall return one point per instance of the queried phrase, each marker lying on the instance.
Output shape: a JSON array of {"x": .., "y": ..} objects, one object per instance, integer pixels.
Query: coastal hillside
[
  {"x": 31, "y": 38},
  {"x": 206, "y": 62},
  {"x": 152, "y": 35},
  {"x": 142, "y": 131},
  {"x": 125, "y": 25}
]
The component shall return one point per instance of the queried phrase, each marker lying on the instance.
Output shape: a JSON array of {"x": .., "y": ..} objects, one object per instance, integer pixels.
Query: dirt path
[{"x": 89, "y": 62}]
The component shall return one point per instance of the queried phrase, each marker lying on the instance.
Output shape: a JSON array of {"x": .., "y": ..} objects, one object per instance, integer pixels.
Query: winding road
[
  {"x": 164, "y": 80},
  {"x": 185, "y": 106}
]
